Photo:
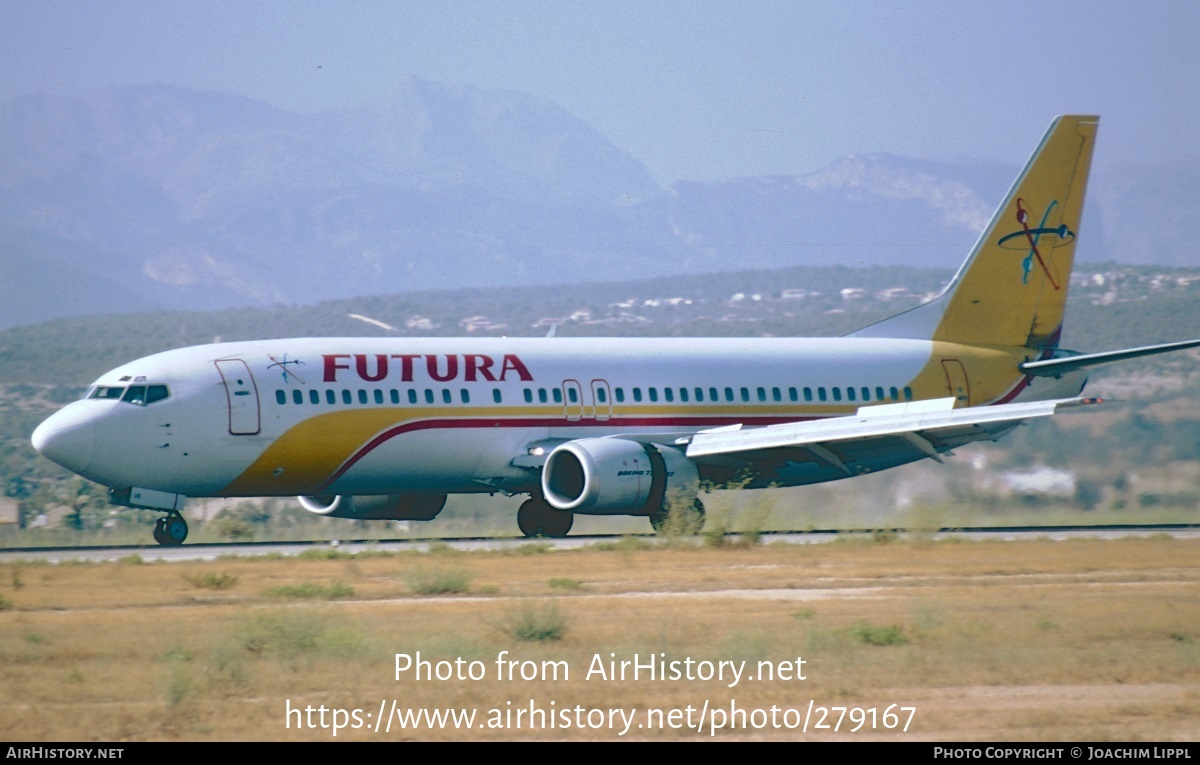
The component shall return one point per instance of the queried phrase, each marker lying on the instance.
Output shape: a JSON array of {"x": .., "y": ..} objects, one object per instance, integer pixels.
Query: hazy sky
[{"x": 695, "y": 90}]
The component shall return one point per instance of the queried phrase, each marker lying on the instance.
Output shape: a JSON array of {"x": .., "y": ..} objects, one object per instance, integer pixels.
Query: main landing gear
[
  {"x": 538, "y": 519},
  {"x": 171, "y": 530}
]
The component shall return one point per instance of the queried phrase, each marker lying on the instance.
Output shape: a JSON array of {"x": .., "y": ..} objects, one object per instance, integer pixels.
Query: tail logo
[{"x": 1030, "y": 239}]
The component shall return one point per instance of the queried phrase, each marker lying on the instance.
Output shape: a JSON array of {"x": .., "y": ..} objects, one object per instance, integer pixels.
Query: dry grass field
[{"x": 1042, "y": 640}]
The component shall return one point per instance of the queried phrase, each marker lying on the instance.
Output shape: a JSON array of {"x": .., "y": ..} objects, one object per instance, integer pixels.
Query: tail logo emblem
[{"x": 1031, "y": 238}]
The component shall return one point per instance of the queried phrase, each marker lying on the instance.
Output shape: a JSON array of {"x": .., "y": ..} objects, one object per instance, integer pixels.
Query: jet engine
[
  {"x": 382, "y": 507},
  {"x": 611, "y": 476}
]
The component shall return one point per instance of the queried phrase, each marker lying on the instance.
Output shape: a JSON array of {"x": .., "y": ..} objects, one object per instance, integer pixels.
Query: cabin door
[
  {"x": 242, "y": 395},
  {"x": 601, "y": 400},
  {"x": 956, "y": 382},
  {"x": 572, "y": 400}
]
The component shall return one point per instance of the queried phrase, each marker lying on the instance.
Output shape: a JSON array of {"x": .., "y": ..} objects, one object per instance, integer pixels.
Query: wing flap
[{"x": 923, "y": 426}]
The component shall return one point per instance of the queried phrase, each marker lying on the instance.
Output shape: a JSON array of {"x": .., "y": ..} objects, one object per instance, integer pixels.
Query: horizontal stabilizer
[{"x": 1054, "y": 367}]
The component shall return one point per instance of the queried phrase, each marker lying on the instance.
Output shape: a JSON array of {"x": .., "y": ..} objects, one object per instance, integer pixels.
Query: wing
[{"x": 874, "y": 438}]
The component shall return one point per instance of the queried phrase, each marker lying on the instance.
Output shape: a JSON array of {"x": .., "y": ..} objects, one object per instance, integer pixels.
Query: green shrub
[
  {"x": 310, "y": 591},
  {"x": 891, "y": 634},
  {"x": 210, "y": 581},
  {"x": 444, "y": 581},
  {"x": 546, "y": 623}
]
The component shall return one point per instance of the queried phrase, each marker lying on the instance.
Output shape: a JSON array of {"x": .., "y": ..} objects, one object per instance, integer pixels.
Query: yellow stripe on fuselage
[{"x": 308, "y": 454}]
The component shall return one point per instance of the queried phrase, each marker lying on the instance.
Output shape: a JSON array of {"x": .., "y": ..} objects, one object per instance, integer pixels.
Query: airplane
[{"x": 386, "y": 428}]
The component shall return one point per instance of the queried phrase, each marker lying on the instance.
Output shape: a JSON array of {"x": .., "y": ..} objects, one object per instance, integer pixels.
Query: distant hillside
[
  {"x": 162, "y": 197},
  {"x": 1110, "y": 307}
]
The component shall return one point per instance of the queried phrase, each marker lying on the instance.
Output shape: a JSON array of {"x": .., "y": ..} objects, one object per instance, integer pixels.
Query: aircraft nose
[{"x": 68, "y": 438}]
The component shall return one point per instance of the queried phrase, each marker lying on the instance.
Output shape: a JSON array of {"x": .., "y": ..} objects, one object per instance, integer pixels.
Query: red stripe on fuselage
[{"x": 532, "y": 422}]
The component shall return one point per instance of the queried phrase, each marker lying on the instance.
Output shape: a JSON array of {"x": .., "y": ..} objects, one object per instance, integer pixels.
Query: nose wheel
[{"x": 171, "y": 530}]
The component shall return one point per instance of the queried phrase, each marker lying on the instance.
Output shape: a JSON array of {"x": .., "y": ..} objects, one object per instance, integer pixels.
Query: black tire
[
  {"x": 160, "y": 532},
  {"x": 175, "y": 530},
  {"x": 537, "y": 519}
]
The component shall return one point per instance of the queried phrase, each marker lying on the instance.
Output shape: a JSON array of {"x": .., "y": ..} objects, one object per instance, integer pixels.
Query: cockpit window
[
  {"x": 142, "y": 395},
  {"x": 107, "y": 391},
  {"x": 156, "y": 393}
]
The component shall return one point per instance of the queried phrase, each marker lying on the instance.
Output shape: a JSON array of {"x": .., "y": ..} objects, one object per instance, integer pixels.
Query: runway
[{"x": 213, "y": 551}]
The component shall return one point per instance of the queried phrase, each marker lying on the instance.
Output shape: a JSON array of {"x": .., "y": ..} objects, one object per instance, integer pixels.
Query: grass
[
  {"x": 439, "y": 581},
  {"x": 211, "y": 580},
  {"x": 890, "y": 634},
  {"x": 536, "y": 623},
  {"x": 310, "y": 591},
  {"x": 960, "y": 630}
]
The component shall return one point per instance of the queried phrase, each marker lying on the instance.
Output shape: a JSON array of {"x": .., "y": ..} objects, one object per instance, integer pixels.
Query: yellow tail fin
[{"x": 1012, "y": 289}]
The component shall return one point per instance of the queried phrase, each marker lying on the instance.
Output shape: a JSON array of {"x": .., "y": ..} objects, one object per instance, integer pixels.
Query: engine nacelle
[
  {"x": 382, "y": 507},
  {"x": 611, "y": 476}
]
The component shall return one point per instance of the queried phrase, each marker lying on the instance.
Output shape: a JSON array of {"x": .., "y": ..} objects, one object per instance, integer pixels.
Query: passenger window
[
  {"x": 908, "y": 396},
  {"x": 776, "y": 394},
  {"x": 394, "y": 395},
  {"x": 362, "y": 396},
  {"x": 314, "y": 397},
  {"x": 620, "y": 394},
  {"x": 837, "y": 393},
  {"x": 792, "y": 395},
  {"x": 895, "y": 394},
  {"x": 699, "y": 394},
  {"x": 465, "y": 396},
  {"x": 428, "y": 396},
  {"x": 712, "y": 395},
  {"x": 762, "y": 394},
  {"x": 849, "y": 394},
  {"x": 446, "y": 397},
  {"x": 729, "y": 394},
  {"x": 637, "y": 394},
  {"x": 330, "y": 397},
  {"x": 821, "y": 393},
  {"x": 298, "y": 397},
  {"x": 878, "y": 393},
  {"x": 280, "y": 397},
  {"x": 542, "y": 395},
  {"x": 346, "y": 397},
  {"x": 683, "y": 395},
  {"x": 378, "y": 396},
  {"x": 653, "y": 394},
  {"x": 745, "y": 394},
  {"x": 669, "y": 394},
  {"x": 866, "y": 394},
  {"x": 496, "y": 395},
  {"x": 557, "y": 395},
  {"x": 573, "y": 395},
  {"x": 808, "y": 394},
  {"x": 528, "y": 396},
  {"x": 412, "y": 395},
  {"x": 601, "y": 395}
]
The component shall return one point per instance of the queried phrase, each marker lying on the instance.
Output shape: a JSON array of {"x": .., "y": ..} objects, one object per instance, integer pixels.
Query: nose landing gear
[{"x": 171, "y": 530}]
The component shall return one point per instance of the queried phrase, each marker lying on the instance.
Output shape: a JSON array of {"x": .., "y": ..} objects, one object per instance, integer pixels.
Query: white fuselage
[{"x": 395, "y": 415}]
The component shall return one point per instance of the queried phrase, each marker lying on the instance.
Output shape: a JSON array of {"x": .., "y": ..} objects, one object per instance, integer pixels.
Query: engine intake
[
  {"x": 382, "y": 507},
  {"x": 611, "y": 476}
]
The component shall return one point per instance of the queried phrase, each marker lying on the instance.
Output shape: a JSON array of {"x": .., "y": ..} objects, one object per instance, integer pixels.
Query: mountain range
[{"x": 157, "y": 197}]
